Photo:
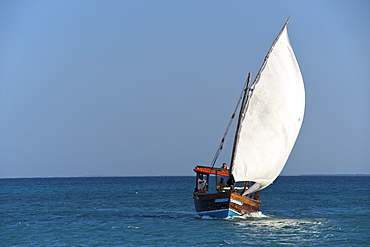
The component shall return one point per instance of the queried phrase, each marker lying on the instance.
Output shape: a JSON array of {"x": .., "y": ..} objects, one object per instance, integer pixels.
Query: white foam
[
  {"x": 132, "y": 227},
  {"x": 258, "y": 214},
  {"x": 207, "y": 217},
  {"x": 249, "y": 216},
  {"x": 246, "y": 216}
]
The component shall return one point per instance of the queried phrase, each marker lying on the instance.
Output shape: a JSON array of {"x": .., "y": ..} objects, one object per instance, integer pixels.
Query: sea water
[{"x": 159, "y": 211}]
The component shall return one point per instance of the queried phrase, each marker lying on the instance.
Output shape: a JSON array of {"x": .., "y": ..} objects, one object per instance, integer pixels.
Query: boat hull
[{"x": 224, "y": 205}]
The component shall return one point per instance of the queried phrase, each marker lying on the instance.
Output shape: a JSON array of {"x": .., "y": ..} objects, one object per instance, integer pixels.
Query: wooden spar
[
  {"x": 236, "y": 138},
  {"x": 268, "y": 55}
]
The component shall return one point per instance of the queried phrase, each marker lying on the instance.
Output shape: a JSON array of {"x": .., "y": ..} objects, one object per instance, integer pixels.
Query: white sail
[{"x": 273, "y": 118}]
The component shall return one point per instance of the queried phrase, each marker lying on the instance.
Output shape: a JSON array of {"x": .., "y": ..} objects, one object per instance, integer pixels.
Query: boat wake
[
  {"x": 258, "y": 214},
  {"x": 207, "y": 217},
  {"x": 249, "y": 216},
  {"x": 254, "y": 215}
]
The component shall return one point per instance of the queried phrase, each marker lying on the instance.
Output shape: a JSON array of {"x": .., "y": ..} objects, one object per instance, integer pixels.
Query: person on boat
[
  {"x": 231, "y": 182},
  {"x": 202, "y": 184},
  {"x": 221, "y": 185},
  {"x": 246, "y": 186},
  {"x": 224, "y": 166},
  {"x": 256, "y": 195}
]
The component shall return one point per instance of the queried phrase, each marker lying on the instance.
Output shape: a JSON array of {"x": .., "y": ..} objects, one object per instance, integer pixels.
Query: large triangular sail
[{"x": 272, "y": 118}]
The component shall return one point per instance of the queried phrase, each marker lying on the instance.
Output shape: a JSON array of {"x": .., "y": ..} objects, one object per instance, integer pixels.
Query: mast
[
  {"x": 220, "y": 147},
  {"x": 246, "y": 88}
]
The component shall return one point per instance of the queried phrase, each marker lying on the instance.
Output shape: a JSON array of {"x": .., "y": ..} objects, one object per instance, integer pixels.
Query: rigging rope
[{"x": 228, "y": 126}]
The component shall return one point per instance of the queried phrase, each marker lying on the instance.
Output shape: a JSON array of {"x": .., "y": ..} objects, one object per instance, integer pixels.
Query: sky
[{"x": 146, "y": 88}]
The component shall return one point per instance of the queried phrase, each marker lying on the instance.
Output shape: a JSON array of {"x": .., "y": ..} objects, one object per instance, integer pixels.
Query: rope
[{"x": 220, "y": 147}]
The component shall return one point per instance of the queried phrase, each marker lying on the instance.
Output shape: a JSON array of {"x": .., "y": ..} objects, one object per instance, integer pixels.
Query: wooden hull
[{"x": 224, "y": 205}]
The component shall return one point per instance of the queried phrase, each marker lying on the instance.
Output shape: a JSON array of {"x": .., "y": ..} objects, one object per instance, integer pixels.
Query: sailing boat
[{"x": 270, "y": 117}]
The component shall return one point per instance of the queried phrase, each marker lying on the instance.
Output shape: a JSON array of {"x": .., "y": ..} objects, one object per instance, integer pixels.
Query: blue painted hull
[
  {"x": 223, "y": 205},
  {"x": 223, "y": 213}
]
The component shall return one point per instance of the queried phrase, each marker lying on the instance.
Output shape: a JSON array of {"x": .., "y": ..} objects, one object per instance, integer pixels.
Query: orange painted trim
[{"x": 210, "y": 170}]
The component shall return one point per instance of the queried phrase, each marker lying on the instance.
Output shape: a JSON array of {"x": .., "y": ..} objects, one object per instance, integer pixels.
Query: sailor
[
  {"x": 202, "y": 184},
  {"x": 224, "y": 166},
  {"x": 256, "y": 195},
  {"x": 231, "y": 183},
  {"x": 221, "y": 185}
]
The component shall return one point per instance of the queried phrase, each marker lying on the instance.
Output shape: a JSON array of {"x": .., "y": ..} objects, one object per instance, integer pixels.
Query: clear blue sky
[{"x": 123, "y": 88}]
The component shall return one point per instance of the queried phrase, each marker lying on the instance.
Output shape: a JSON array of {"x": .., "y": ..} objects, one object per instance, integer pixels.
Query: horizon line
[{"x": 127, "y": 176}]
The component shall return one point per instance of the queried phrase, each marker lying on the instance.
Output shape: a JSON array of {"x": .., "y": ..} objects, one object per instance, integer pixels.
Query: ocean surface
[{"x": 159, "y": 211}]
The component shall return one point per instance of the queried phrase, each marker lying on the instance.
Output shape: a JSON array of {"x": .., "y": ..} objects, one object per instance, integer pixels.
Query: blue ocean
[{"x": 159, "y": 211}]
